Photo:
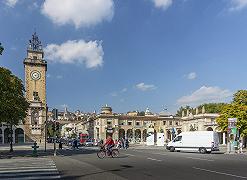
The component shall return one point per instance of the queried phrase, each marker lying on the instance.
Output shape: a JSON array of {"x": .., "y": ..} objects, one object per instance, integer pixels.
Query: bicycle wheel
[
  {"x": 115, "y": 153},
  {"x": 101, "y": 154}
]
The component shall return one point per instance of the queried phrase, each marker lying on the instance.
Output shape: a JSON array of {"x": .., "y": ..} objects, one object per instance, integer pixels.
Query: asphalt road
[{"x": 150, "y": 164}]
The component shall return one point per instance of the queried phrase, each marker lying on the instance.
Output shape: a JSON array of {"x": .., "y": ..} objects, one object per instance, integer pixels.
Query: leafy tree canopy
[
  {"x": 212, "y": 107},
  {"x": 13, "y": 105},
  {"x": 237, "y": 109},
  {"x": 240, "y": 97}
]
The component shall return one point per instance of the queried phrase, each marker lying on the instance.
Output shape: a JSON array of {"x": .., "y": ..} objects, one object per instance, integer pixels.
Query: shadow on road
[
  {"x": 121, "y": 168},
  {"x": 5, "y": 154}
]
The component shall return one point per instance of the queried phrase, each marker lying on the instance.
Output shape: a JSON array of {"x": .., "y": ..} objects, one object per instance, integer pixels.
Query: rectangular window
[
  {"x": 137, "y": 123},
  {"x": 129, "y": 123},
  {"x": 176, "y": 123},
  {"x": 170, "y": 123},
  {"x": 164, "y": 122},
  {"x": 108, "y": 122}
]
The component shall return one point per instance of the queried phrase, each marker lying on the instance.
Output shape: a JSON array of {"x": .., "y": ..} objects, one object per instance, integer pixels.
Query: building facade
[{"x": 134, "y": 127}]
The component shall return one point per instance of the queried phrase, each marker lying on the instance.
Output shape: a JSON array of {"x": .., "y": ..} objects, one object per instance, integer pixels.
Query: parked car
[{"x": 89, "y": 142}]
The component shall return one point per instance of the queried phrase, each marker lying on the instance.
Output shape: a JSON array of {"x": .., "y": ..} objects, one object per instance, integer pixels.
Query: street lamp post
[
  {"x": 1, "y": 49},
  {"x": 46, "y": 125}
]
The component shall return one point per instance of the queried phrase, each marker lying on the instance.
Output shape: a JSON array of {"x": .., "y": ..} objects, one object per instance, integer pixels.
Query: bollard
[{"x": 35, "y": 147}]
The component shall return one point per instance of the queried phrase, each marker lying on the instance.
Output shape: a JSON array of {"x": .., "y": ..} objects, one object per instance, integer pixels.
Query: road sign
[{"x": 232, "y": 122}]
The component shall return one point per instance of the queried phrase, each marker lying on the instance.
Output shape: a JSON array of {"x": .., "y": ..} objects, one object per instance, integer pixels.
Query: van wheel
[
  {"x": 202, "y": 150},
  {"x": 172, "y": 149}
]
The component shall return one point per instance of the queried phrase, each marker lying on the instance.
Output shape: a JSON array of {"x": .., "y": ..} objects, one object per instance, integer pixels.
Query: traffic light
[
  {"x": 57, "y": 126},
  {"x": 55, "y": 114}
]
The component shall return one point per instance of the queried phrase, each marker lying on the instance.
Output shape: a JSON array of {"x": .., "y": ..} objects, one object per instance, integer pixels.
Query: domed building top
[
  {"x": 165, "y": 114},
  {"x": 106, "y": 109},
  {"x": 148, "y": 113}
]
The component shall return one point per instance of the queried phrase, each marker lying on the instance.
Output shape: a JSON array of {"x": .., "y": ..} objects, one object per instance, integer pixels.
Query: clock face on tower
[{"x": 35, "y": 75}]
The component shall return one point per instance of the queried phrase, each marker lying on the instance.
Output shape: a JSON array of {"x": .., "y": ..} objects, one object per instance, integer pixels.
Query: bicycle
[{"x": 103, "y": 153}]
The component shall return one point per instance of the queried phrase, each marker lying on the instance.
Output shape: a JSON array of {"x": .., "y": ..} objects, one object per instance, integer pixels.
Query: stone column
[
  {"x": 2, "y": 136},
  {"x": 133, "y": 134},
  {"x": 224, "y": 138},
  {"x": 141, "y": 135}
]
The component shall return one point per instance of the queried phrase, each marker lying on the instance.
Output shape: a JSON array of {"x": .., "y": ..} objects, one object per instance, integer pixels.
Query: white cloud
[
  {"x": 163, "y": 4},
  {"x": 81, "y": 13},
  {"x": 59, "y": 76},
  {"x": 205, "y": 95},
  {"x": 76, "y": 52},
  {"x": 11, "y": 3},
  {"x": 48, "y": 75},
  {"x": 191, "y": 76},
  {"x": 238, "y": 5},
  {"x": 145, "y": 87},
  {"x": 114, "y": 94},
  {"x": 124, "y": 90}
]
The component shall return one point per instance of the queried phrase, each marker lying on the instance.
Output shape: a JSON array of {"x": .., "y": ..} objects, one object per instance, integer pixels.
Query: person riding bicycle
[{"x": 109, "y": 144}]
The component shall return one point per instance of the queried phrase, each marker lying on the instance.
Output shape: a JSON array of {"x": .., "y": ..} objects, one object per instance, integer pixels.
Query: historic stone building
[
  {"x": 35, "y": 83},
  {"x": 202, "y": 121},
  {"x": 132, "y": 126}
]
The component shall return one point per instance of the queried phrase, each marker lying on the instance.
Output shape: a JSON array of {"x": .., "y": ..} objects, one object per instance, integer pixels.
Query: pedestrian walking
[
  {"x": 126, "y": 143},
  {"x": 60, "y": 145},
  {"x": 123, "y": 143},
  {"x": 240, "y": 146}
]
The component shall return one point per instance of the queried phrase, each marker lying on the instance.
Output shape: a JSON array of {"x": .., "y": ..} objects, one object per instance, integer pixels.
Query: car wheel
[
  {"x": 202, "y": 150},
  {"x": 172, "y": 149}
]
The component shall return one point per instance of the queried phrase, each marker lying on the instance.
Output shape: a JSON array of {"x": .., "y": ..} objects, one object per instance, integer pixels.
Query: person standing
[
  {"x": 60, "y": 145},
  {"x": 240, "y": 147},
  {"x": 126, "y": 143}
]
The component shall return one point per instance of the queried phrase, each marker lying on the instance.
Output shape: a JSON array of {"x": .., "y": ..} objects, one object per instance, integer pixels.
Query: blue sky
[{"x": 131, "y": 54}]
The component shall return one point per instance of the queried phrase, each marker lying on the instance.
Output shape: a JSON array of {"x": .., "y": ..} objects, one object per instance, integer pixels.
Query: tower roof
[{"x": 35, "y": 43}]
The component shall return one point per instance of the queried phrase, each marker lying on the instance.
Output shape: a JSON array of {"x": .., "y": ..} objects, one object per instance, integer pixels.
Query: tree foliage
[
  {"x": 142, "y": 113},
  {"x": 237, "y": 109},
  {"x": 212, "y": 107},
  {"x": 181, "y": 109},
  {"x": 240, "y": 97},
  {"x": 13, "y": 105},
  {"x": 209, "y": 108}
]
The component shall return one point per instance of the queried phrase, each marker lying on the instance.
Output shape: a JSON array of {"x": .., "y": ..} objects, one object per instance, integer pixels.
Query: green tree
[
  {"x": 13, "y": 105},
  {"x": 212, "y": 107},
  {"x": 240, "y": 97},
  {"x": 237, "y": 109},
  {"x": 142, "y": 113},
  {"x": 181, "y": 109}
]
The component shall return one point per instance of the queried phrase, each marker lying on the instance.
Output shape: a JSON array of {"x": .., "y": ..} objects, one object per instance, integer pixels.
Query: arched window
[{"x": 35, "y": 118}]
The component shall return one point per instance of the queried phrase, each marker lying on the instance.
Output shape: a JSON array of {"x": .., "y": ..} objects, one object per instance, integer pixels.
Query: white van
[{"x": 199, "y": 141}]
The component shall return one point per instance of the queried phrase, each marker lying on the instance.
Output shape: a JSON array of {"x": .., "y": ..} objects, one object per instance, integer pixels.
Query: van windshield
[{"x": 179, "y": 138}]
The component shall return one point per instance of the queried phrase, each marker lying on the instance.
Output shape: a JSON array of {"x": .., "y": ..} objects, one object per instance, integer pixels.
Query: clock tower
[{"x": 35, "y": 83}]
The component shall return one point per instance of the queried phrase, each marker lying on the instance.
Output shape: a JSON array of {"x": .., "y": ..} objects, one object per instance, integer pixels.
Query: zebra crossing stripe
[{"x": 26, "y": 169}]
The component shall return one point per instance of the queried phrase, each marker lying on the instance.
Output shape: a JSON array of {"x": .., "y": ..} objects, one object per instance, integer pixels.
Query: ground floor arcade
[{"x": 5, "y": 135}]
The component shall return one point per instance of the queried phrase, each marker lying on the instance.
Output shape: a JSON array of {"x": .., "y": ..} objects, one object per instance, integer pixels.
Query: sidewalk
[
  {"x": 223, "y": 148},
  {"x": 24, "y": 150}
]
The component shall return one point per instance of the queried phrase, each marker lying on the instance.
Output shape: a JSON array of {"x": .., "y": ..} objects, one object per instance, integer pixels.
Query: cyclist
[{"x": 109, "y": 144}]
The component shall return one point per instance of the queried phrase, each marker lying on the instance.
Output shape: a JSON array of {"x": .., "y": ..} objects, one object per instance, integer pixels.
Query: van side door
[{"x": 178, "y": 142}]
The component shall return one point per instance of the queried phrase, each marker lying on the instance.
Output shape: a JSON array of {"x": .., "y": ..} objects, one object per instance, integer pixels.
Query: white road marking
[
  {"x": 199, "y": 159},
  {"x": 222, "y": 173},
  {"x": 160, "y": 154},
  {"x": 137, "y": 151},
  {"x": 154, "y": 159},
  {"x": 129, "y": 154}
]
